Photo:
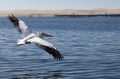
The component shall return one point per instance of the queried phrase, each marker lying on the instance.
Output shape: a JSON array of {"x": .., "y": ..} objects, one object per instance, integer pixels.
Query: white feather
[
  {"x": 40, "y": 41},
  {"x": 22, "y": 25}
]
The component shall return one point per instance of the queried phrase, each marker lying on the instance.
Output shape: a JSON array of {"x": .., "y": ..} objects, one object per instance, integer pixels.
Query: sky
[{"x": 59, "y": 4}]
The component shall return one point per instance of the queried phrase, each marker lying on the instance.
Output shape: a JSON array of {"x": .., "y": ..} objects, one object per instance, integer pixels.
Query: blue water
[{"x": 90, "y": 45}]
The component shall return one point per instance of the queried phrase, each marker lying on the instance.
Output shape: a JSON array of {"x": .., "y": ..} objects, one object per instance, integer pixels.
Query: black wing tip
[
  {"x": 57, "y": 55},
  {"x": 12, "y": 18},
  {"x": 15, "y": 22},
  {"x": 52, "y": 51},
  {"x": 59, "y": 58}
]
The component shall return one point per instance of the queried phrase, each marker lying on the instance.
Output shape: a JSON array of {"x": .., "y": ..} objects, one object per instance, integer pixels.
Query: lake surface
[{"x": 90, "y": 45}]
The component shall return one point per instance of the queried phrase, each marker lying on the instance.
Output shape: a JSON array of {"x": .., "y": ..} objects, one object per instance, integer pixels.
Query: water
[{"x": 90, "y": 45}]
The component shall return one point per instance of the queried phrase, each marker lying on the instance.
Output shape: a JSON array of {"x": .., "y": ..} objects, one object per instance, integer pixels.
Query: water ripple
[{"x": 90, "y": 48}]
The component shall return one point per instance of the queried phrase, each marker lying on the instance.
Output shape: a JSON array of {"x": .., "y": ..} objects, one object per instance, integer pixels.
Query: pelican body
[{"x": 28, "y": 37}]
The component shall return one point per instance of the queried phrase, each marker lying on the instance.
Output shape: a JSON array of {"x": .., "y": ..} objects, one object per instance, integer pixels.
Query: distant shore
[{"x": 61, "y": 13}]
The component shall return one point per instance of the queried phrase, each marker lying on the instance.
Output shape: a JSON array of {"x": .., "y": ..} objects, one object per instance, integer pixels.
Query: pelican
[{"x": 28, "y": 37}]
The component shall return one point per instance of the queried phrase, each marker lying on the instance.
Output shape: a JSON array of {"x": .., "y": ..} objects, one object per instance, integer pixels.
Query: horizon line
[{"x": 65, "y": 9}]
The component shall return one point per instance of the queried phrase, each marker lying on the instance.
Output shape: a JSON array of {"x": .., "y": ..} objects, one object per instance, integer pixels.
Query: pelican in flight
[{"x": 34, "y": 38}]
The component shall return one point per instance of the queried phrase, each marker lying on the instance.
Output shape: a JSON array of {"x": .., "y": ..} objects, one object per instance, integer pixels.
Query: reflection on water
[{"x": 48, "y": 75}]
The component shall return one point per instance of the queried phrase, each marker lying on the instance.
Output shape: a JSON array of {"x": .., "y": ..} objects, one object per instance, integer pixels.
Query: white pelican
[{"x": 33, "y": 38}]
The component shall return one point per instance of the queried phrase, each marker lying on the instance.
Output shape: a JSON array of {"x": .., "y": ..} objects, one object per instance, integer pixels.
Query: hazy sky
[{"x": 59, "y": 4}]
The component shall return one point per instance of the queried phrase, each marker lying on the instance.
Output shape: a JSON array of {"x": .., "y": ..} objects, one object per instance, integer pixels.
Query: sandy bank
[{"x": 59, "y": 12}]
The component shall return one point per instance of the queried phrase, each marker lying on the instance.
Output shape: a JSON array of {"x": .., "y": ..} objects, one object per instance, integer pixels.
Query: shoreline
[
  {"x": 109, "y": 15},
  {"x": 61, "y": 13}
]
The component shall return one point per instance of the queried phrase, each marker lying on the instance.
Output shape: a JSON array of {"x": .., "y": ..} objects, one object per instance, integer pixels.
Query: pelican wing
[
  {"x": 48, "y": 47},
  {"x": 19, "y": 25}
]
